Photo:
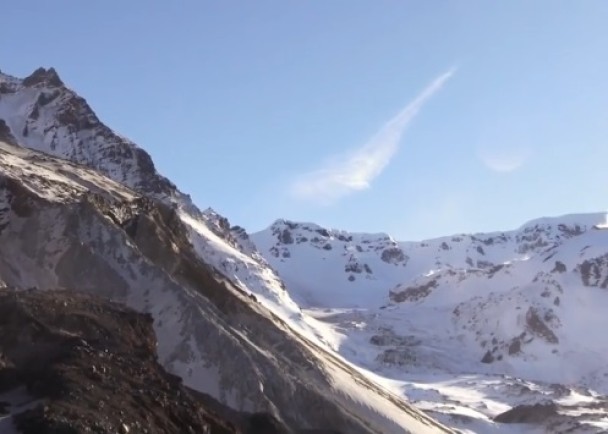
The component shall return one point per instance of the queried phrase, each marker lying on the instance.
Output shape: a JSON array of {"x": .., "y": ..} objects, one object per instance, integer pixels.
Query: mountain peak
[
  {"x": 44, "y": 76},
  {"x": 45, "y": 115}
]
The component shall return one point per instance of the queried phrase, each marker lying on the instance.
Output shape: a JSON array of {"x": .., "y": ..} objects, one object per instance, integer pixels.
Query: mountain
[
  {"x": 83, "y": 208},
  {"x": 468, "y": 327},
  {"x": 93, "y": 364}
]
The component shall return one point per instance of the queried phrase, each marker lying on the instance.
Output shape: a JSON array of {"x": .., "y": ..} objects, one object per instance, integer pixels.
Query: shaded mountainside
[
  {"x": 90, "y": 366},
  {"x": 84, "y": 364},
  {"x": 92, "y": 213}
]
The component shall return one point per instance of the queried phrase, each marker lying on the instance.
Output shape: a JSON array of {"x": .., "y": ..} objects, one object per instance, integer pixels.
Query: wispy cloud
[
  {"x": 503, "y": 160},
  {"x": 355, "y": 171}
]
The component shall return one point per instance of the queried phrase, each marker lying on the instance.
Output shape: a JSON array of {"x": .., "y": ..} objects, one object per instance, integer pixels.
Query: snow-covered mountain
[
  {"x": 321, "y": 328},
  {"x": 84, "y": 208},
  {"x": 467, "y": 326}
]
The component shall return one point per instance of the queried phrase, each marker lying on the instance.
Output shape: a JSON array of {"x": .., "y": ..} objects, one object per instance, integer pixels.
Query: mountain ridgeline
[
  {"x": 515, "y": 316},
  {"x": 108, "y": 269},
  {"x": 83, "y": 209}
]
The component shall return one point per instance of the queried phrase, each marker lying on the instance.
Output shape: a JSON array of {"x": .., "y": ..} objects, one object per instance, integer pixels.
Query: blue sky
[{"x": 417, "y": 118}]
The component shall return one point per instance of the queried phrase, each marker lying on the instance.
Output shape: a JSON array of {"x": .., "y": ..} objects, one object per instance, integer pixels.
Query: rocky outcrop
[
  {"x": 6, "y": 134},
  {"x": 43, "y": 76},
  {"x": 538, "y": 327},
  {"x": 536, "y": 413},
  {"x": 594, "y": 272},
  {"x": 412, "y": 293},
  {"x": 91, "y": 365}
]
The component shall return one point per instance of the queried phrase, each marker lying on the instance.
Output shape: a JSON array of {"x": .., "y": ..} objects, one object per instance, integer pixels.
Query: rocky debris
[
  {"x": 390, "y": 338},
  {"x": 538, "y": 327},
  {"x": 93, "y": 365},
  {"x": 558, "y": 418},
  {"x": 285, "y": 237},
  {"x": 570, "y": 230},
  {"x": 488, "y": 357},
  {"x": 413, "y": 293},
  {"x": 532, "y": 238},
  {"x": 355, "y": 266},
  {"x": 594, "y": 272},
  {"x": 495, "y": 269},
  {"x": 559, "y": 267},
  {"x": 397, "y": 356},
  {"x": 536, "y": 413},
  {"x": 401, "y": 349},
  {"x": 514, "y": 346},
  {"x": 393, "y": 255},
  {"x": 485, "y": 265}
]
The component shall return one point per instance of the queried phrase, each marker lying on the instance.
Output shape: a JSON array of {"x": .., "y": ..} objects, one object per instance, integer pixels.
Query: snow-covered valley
[{"x": 466, "y": 327}]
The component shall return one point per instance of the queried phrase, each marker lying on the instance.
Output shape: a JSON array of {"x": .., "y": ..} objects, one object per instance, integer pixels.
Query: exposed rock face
[
  {"x": 45, "y": 115},
  {"x": 43, "y": 76},
  {"x": 536, "y": 413},
  {"x": 594, "y": 272},
  {"x": 66, "y": 226},
  {"x": 393, "y": 255},
  {"x": 92, "y": 365},
  {"x": 412, "y": 293},
  {"x": 555, "y": 417},
  {"x": 5, "y": 133},
  {"x": 538, "y": 327}
]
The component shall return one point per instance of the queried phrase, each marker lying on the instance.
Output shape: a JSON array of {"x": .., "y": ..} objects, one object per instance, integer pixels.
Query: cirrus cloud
[{"x": 355, "y": 170}]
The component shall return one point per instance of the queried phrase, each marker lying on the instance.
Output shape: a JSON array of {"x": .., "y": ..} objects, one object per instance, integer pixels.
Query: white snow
[{"x": 461, "y": 296}]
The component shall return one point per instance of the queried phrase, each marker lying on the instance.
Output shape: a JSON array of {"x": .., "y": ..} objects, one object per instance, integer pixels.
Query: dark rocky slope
[{"x": 90, "y": 366}]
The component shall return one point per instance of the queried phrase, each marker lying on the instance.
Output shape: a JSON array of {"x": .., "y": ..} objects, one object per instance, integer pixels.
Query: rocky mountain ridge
[
  {"x": 82, "y": 207},
  {"x": 526, "y": 303},
  {"x": 41, "y": 113}
]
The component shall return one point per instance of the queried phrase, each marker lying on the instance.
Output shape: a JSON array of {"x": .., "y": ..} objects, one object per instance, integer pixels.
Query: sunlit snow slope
[{"x": 498, "y": 317}]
